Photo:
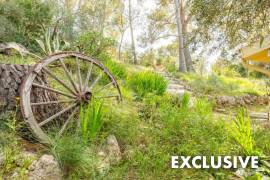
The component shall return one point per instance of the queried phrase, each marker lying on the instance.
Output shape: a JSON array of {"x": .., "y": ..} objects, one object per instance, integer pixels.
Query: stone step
[
  {"x": 175, "y": 86},
  {"x": 177, "y": 92}
]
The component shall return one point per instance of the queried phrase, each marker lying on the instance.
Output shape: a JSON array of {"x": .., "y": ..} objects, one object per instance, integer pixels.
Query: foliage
[
  {"x": 165, "y": 128},
  {"x": 91, "y": 120},
  {"x": 148, "y": 59},
  {"x": 261, "y": 137},
  {"x": 185, "y": 101},
  {"x": 147, "y": 82},
  {"x": 72, "y": 154},
  {"x": 203, "y": 108},
  {"x": 17, "y": 60},
  {"x": 94, "y": 44},
  {"x": 236, "y": 21},
  {"x": 14, "y": 161},
  {"x": 51, "y": 43},
  {"x": 241, "y": 133},
  {"x": 24, "y": 20},
  {"x": 224, "y": 85},
  {"x": 117, "y": 69}
]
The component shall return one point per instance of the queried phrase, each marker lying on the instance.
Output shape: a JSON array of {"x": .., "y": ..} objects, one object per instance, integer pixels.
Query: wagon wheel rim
[{"x": 80, "y": 81}]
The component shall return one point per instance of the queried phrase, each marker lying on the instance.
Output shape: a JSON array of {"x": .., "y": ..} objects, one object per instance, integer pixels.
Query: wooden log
[{"x": 11, "y": 77}]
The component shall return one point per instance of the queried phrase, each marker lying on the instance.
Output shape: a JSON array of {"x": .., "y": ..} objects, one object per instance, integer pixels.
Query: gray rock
[
  {"x": 46, "y": 168},
  {"x": 113, "y": 149},
  {"x": 109, "y": 154}
]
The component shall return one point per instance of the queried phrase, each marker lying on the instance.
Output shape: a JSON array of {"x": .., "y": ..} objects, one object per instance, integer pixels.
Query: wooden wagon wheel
[{"x": 73, "y": 80}]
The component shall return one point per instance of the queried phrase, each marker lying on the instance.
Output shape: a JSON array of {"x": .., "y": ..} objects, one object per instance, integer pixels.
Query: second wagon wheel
[{"x": 67, "y": 81}]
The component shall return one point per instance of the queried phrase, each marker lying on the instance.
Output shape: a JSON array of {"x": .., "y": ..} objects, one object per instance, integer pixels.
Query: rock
[
  {"x": 113, "y": 149},
  {"x": 46, "y": 168},
  {"x": 109, "y": 154}
]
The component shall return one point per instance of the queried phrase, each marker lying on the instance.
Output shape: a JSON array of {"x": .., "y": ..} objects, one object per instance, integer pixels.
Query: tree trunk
[
  {"x": 132, "y": 34},
  {"x": 188, "y": 59},
  {"x": 120, "y": 46},
  {"x": 184, "y": 21},
  {"x": 181, "y": 52},
  {"x": 11, "y": 78}
]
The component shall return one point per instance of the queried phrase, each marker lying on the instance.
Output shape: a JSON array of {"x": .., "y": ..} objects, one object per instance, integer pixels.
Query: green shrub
[
  {"x": 95, "y": 44},
  {"x": 91, "y": 120},
  {"x": 118, "y": 70},
  {"x": 147, "y": 82},
  {"x": 241, "y": 133},
  {"x": 24, "y": 20}
]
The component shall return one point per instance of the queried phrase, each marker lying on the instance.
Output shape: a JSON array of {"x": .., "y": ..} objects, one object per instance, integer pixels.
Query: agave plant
[{"x": 51, "y": 43}]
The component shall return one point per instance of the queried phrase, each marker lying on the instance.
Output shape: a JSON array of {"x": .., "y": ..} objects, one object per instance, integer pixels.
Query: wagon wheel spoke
[
  {"x": 57, "y": 115},
  {"x": 54, "y": 90},
  {"x": 103, "y": 88},
  {"x": 96, "y": 80},
  {"x": 59, "y": 80},
  {"x": 88, "y": 76},
  {"x": 68, "y": 75},
  {"x": 79, "y": 74},
  {"x": 109, "y": 96},
  {"x": 68, "y": 121},
  {"x": 50, "y": 102}
]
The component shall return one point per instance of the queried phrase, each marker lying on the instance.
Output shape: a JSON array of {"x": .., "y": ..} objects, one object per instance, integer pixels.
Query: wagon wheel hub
[{"x": 85, "y": 97}]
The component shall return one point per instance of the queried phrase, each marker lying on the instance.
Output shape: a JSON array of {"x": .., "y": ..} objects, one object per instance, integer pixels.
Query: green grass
[
  {"x": 18, "y": 60},
  {"x": 118, "y": 70},
  {"x": 241, "y": 133},
  {"x": 73, "y": 155},
  {"x": 224, "y": 85},
  {"x": 150, "y": 130},
  {"x": 11, "y": 148},
  {"x": 147, "y": 82},
  {"x": 91, "y": 120}
]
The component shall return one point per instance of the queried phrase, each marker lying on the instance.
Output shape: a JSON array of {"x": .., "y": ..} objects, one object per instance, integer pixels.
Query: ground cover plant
[
  {"x": 147, "y": 82},
  {"x": 225, "y": 85}
]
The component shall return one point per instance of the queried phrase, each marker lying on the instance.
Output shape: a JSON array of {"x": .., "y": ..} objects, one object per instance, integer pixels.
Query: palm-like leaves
[{"x": 51, "y": 44}]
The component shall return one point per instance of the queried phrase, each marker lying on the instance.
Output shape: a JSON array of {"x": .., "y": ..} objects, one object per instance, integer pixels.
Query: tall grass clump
[
  {"x": 147, "y": 82},
  {"x": 72, "y": 154},
  {"x": 117, "y": 69},
  {"x": 241, "y": 132},
  {"x": 91, "y": 120}
]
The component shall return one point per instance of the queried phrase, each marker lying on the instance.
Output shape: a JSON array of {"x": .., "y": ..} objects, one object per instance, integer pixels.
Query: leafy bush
[
  {"x": 117, "y": 69},
  {"x": 91, "y": 120},
  {"x": 148, "y": 59},
  {"x": 147, "y": 82},
  {"x": 24, "y": 20},
  {"x": 95, "y": 44}
]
